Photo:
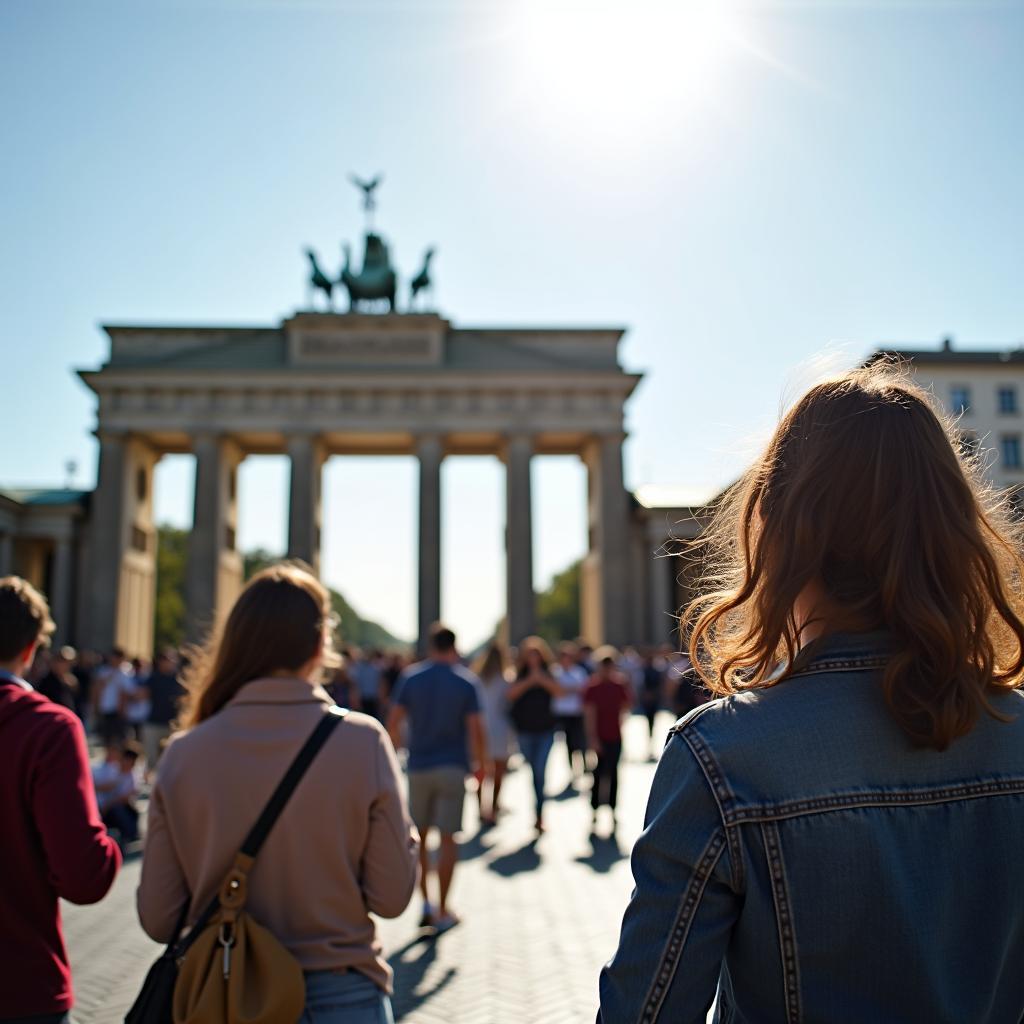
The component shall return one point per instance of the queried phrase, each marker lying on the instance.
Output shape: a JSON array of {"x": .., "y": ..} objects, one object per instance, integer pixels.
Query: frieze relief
[{"x": 151, "y": 403}]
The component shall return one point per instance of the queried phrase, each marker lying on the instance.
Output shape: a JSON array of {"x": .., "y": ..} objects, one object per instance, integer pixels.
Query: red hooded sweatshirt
[{"x": 52, "y": 844}]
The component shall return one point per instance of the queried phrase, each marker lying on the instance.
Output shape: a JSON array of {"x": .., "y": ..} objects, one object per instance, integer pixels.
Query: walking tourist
[
  {"x": 343, "y": 847},
  {"x": 530, "y": 699},
  {"x": 438, "y": 700},
  {"x": 52, "y": 843},
  {"x": 366, "y": 672},
  {"x": 163, "y": 693},
  {"x": 605, "y": 701},
  {"x": 111, "y": 687},
  {"x": 59, "y": 683},
  {"x": 572, "y": 677},
  {"x": 838, "y": 839},
  {"x": 651, "y": 692},
  {"x": 491, "y": 669}
]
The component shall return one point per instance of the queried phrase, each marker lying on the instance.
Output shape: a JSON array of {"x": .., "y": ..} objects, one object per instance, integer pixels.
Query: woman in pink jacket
[{"x": 344, "y": 846}]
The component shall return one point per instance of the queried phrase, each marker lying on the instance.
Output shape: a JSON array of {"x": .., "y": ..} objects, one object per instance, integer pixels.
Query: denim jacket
[{"x": 804, "y": 861}]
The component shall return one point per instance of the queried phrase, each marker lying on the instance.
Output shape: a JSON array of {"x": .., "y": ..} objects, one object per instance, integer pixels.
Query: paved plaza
[{"x": 539, "y": 917}]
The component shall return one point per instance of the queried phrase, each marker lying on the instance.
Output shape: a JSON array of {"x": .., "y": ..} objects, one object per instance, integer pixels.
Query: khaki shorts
[{"x": 436, "y": 796}]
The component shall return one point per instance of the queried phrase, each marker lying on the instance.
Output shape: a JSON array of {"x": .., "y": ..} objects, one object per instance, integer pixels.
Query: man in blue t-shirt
[{"x": 438, "y": 697}]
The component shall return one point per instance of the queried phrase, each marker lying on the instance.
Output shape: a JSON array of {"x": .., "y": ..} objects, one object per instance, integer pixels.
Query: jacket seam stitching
[
  {"x": 823, "y": 805},
  {"x": 840, "y": 665},
  {"x": 672, "y": 952},
  {"x": 784, "y": 921},
  {"x": 717, "y": 784}
]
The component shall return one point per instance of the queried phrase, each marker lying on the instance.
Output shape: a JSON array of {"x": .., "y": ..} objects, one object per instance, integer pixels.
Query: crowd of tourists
[{"x": 834, "y": 839}]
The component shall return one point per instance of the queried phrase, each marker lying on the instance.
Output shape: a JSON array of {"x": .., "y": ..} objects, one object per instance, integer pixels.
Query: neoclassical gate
[{"x": 322, "y": 384}]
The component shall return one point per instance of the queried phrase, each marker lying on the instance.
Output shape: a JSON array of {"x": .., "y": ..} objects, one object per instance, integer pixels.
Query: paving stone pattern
[{"x": 540, "y": 917}]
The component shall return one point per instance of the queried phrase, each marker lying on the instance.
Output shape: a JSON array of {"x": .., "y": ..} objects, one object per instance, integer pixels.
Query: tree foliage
[
  {"x": 172, "y": 552},
  {"x": 558, "y": 607}
]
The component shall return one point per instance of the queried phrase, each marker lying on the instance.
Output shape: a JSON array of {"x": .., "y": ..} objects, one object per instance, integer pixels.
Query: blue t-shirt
[{"x": 437, "y": 698}]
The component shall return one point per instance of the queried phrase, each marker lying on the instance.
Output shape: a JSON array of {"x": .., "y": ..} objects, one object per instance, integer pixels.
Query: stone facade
[{"x": 325, "y": 384}]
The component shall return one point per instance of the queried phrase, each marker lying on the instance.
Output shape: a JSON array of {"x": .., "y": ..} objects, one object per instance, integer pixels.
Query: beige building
[
  {"x": 43, "y": 537},
  {"x": 984, "y": 389}
]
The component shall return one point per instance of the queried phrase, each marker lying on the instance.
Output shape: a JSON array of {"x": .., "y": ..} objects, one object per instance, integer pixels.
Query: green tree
[
  {"x": 558, "y": 607},
  {"x": 171, "y": 552},
  {"x": 171, "y": 555}
]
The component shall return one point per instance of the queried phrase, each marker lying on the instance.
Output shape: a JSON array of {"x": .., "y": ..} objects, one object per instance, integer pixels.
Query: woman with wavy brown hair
[
  {"x": 342, "y": 848},
  {"x": 837, "y": 837}
]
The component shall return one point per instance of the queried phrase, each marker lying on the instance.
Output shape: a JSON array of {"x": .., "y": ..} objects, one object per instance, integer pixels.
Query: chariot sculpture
[{"x": 376, "y": 281}]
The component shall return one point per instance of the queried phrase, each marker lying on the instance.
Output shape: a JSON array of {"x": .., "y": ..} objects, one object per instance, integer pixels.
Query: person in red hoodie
[{"x": 52, "y": 842}]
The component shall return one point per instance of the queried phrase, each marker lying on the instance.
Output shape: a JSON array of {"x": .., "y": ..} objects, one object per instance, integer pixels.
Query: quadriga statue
[{"x": 376, "y": 280}]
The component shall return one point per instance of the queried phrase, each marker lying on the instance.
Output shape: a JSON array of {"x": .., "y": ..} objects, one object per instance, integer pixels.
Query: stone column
[
  {"x": 430, "y": 452},
  {"x": 107, "y": 522},
  {"x": 661, "y": 568},
  {"x": 606, "y": 580},
  {"x": 306, "y": 452},
  {"x": 122, "y": 579},
  {"x": 519, "y": 538},
  {"x": 61, "y": 589},
  {"x": 214, "y": 569}
]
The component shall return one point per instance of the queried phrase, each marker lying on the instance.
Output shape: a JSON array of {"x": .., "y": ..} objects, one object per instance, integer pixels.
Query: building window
[
  {"x": 1009, "y": 445},
  {"x": 960, "y": 400},
  {"x": 1007, "y": 400}
]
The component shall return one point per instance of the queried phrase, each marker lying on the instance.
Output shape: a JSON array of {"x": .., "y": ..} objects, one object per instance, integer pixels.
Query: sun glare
[{"x": 636, "y": 61}]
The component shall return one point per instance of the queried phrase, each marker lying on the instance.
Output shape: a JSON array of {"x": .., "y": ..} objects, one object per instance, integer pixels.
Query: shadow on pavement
[
  {"x": 605, "y": 853},
  {"x": 526, "y": 858},
  {"x": 409, "y": 975}
]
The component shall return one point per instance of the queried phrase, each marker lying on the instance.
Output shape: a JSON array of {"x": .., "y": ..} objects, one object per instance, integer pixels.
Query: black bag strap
[{"x": 259, "y": 832}]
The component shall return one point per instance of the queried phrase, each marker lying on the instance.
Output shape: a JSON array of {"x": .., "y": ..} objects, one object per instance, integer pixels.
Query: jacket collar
[
  {"x": 845, "y": 651},
  {"x": 280, "y": 690}
]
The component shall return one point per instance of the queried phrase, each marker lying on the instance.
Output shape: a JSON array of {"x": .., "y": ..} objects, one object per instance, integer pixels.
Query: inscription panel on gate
[{"x": 365, "y": 340}]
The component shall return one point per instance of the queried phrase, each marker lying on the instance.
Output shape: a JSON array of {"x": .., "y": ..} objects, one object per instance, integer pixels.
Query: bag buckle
[{"x": 227, "y": 939}]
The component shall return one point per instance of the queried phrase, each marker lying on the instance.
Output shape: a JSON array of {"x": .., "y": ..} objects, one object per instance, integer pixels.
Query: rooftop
[
  {"x": 52, "y": 496},
  {"x": 947, "y": 354}
]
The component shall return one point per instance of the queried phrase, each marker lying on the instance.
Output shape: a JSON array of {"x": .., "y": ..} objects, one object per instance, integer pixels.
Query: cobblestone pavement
[{"x": 540, "y": 917}]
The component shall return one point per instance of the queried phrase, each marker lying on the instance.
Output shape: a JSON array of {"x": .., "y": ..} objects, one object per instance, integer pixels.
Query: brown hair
[
  {"x": 533, "y": 643},
  {"x": 440, "y": 638},
  {"x": 862, "y": 490},
  {"x": 24, "y": 617},
  {"x": 279, "y": 622},
  {"x": 491, "y": 662}
]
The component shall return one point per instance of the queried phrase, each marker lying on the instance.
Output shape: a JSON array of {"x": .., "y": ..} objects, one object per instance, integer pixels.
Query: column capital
[
  {"x": 430, "y": 445},
  {"x": 521, "y": 439}
]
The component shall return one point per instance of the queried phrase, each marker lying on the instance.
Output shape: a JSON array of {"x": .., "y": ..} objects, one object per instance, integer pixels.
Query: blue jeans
[
  {"x": 536, "y": 746},
  {"x": 349, "y": 998}
]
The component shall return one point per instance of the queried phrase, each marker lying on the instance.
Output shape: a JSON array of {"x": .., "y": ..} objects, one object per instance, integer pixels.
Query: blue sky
[{"x": 745, "y": 185}]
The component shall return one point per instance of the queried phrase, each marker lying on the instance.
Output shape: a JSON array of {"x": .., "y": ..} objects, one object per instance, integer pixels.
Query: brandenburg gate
[{"x": 323, "y": 384}]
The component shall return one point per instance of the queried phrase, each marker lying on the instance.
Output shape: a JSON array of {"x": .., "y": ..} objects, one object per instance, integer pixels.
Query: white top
[
  {"x": 112, "y": 683},
  {"x": 573, "y": 679},
  {"x": 107, "y": 773}
]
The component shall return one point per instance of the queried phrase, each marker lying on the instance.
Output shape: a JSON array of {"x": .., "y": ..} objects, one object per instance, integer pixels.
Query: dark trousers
[
  {"x": 124, "y": 820},
  {"x": 111, "y": 728},
  {"x": 606, "y": 775},
  {"x": 575, "y": 735}
]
